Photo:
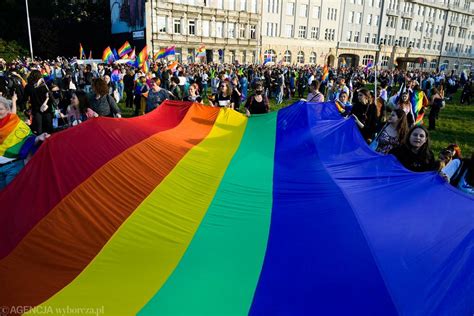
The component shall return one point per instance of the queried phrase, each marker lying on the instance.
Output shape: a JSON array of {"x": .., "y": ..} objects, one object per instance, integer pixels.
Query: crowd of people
[{"x": 59, "y": 94}]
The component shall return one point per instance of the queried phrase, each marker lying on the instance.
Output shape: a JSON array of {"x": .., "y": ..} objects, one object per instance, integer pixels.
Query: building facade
[
  {"x": 301, "y": 31},
  {"x": 229, "y": 29},
  {"x": 408, "y": 33}
]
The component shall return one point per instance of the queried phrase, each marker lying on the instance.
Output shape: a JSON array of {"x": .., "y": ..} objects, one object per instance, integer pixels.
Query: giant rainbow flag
[{"x": 195, "y": 210}]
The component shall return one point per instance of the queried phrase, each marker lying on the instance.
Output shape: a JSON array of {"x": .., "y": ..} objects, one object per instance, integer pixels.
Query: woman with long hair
[
  {"x": 415, "y": 154},
  {"x": 404, "y": 103},
  {"x": 102, "y": 103},
  {"x": 393, "y": 133},
  {"x": 223, "y": 96},
  {"x": 436, "y": 105},
  {"x": 79, "y": 110},
  {"x": 257, "y": 103},
  {"x": 365, "y": 114},
  {"x": 37, "y": 92}
]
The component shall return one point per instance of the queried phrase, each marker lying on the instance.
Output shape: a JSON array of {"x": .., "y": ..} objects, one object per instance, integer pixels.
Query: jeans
[
  {"x": 9, "y": 171},
  {"x": 120, "y": 87}
]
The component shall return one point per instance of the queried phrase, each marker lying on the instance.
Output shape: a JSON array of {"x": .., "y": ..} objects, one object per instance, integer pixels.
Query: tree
[{"x": 10, "y": 50}]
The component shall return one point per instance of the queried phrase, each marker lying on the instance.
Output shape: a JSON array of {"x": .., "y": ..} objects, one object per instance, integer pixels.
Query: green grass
[{"x": 455, "y": 124}]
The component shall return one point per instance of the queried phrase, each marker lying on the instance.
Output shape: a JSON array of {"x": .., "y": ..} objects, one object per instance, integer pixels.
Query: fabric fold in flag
[{"x": 196, "y": 210}]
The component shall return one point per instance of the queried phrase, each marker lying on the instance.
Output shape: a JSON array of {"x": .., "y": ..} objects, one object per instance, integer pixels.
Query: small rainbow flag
[
  {"x": 108, "y": 56},
  {"x": 166, "y": 52},
  {"x": 132, "y": 54},
  {"x": 142, "y": 57},
  {"x": 82, "y": 55},
  {"x": 325, "y": 73},
  {"x": 146, "y": 67},
  {"x": 125, "y": 49},
  {"x": 155, "y": 56},
  {"x": 418, "y": 101},
  {"x": 201, "y": 51},
  {"x": 173, "y": 65},
  {"x": 16, "y": 138}
]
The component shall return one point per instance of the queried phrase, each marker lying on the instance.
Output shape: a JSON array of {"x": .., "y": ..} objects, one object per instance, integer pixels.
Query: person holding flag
[{"x": 17, "y": 142}]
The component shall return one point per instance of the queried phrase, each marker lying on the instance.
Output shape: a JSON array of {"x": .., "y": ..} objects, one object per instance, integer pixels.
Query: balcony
[
  {"x": 406, "y": 15},
  {"x": 352, "y": 45},
  {"x": 393, "y": 12},
  {"x": 455, "y": 23}
]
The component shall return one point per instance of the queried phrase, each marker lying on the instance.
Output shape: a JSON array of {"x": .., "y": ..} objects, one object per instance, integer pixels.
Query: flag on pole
[
  {"x": 173, "y": 65},
  {"x": 124, "y": 49},
  {"x": 108, "y": 56},
  {"x": 201, "y": 51},
  {"x": 370, "y": 64},
  {"x": 116, "y": 55},
  {"x": 132, "y": 54},
  {"x": 82, "y": 55},
  {"x": 268, "y": 58},
  {"x": 162, "y": 53},
  {"x": 325, "y": 73},
  {"x": 125, "y": 56},
  {"x": 142, "y": 56},
  {"x": 146, "y": 67}
]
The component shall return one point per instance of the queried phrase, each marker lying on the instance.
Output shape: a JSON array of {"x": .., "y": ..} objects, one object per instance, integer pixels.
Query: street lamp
[{"x": 29, "y": 29}]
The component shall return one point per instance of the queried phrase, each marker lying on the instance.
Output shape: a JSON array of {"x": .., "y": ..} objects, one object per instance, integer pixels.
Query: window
[
  {"x": 302, "y": 31},
  {"x": 385, "y": 60},
  {"x": 290, "y": 8},
  {"x": 205, "y": 28},
  {"x": 219, "y": 29},
  {"x": 406, "y": 23},
  {"x": 242, "y": 32},
  {"x": 272, "y": 29},
  {"x": 391, "y": 22},
  {"x": 356, "y": 37},
  {"x": 271, "y": 53},
  {"x": 312, "y": 58},
  {"x": 376, "y": 20},
  {"x": 433, "y": 63},
  {"x": 369, "y": 19},
  {"x": 316, "y": 12},
  {"x": 314, "y": 32},
  {"x": 300, "y": 57},
  {"x": 192, "y": 27},
  {"x": 374, "y": 38},
  {"x": 253, "y": 31},
  {"x": 253, "y": 9},
  {"x": 243, "y": 5},
  {"x": 367, "y": 38},
  {"x": 273, "y": 6},
  {"x": 177, "y": 26},
  {"x": 351, "y": 17},
  {"x": 358, "y": 19},
  {"x": 231, "y": 4},
  {"x": 349, "y": 36},
  {"x": 289, "y": 30},
  {"x": 220, "y": 4},
  {"x": 366, "y": 59},
  {"x": 332, "y": 14},
  {"x": 304, "y": 11},
  {"x": 191, "y": 55},
  {"x": 287, "y": 57},
  {"x": 231, "y": 30},
  {"x": 161, "y": 24}
]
